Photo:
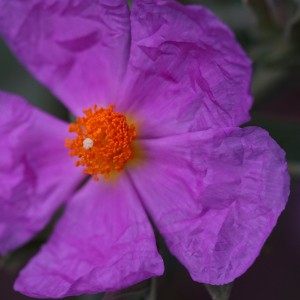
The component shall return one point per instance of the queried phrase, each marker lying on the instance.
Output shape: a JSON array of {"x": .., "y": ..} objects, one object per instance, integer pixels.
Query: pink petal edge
[
  {"x": 103, "y": 242},
  {"x": 215, "y": 196},
  {"x": 36, "y": 173}
]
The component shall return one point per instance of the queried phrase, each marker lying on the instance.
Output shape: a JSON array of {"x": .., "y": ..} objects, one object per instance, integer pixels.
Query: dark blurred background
[{"x": 269, "y": 31}]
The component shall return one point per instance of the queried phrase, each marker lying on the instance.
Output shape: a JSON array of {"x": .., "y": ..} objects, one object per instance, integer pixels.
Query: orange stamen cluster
[{"x": 111, "y": 138}]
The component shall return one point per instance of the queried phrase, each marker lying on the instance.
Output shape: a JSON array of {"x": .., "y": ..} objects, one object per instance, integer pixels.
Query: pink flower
[{"x": 213, "y": 190}]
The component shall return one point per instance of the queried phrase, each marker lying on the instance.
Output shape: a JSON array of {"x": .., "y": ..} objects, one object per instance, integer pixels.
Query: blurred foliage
[
  {"x": 145, "y": 290},
  {"x": 219, "y": 292},
  {"x": 269, "y": 31}
]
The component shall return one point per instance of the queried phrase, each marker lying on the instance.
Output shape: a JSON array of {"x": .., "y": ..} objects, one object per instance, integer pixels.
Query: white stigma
[{"x": 88, "y": 143}]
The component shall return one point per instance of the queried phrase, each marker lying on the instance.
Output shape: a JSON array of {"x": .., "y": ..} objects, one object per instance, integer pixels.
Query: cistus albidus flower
[{"x": 164, "y": 88}]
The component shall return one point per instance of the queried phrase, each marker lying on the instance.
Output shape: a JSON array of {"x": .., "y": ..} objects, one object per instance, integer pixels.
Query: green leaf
[
  {"x": 293, "y": 25},
  {"x": 145, "y": 290},
  {"x": 16, "y": 260},
  {"x": 285, "y": 132},
  {"x": 262, "y": 13},
  {"x": 219, "y": 292},
  {"x": 294, "y": 170}
]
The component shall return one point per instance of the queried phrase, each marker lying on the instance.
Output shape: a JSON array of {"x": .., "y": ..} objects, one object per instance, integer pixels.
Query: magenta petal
[
  {"x": 104, "y": 242},
  {"x": 186, "y": 71},
  {"x": 215, "y": 196},
  {"x": 79, "y": 49},
  {"x": 36, "y": 173}
]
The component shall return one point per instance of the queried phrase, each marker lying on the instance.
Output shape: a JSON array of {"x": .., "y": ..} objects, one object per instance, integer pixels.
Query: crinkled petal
[
  {"x": 215, "y": 196},
  {"x": 104, "y": 242},
  {"x": 36, "y": 173},
  {"x": 79, "y": 49},
  {"x": 186, "y": 71}
]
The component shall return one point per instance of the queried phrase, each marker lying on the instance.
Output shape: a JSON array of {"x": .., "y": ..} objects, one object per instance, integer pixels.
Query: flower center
[{"x": 103, "y": 141}]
